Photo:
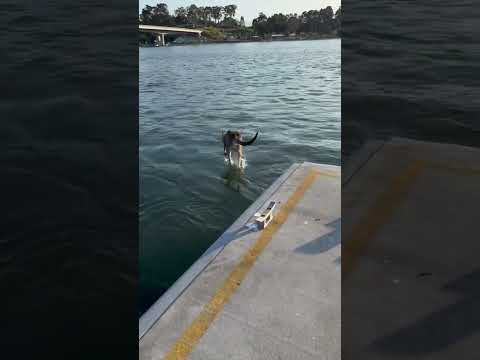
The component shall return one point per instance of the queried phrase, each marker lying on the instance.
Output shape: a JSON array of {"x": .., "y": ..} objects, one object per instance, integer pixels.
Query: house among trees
[{"x": 277, "y": 36}]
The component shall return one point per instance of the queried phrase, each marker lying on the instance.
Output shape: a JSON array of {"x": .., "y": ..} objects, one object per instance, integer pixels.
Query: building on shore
[{"x": 277, "y": 36}]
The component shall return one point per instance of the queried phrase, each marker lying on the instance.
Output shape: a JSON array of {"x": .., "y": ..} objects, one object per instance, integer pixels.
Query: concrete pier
[
  {"x": 261, "y": 294},
  {"x": 410, "y": 250},
  {"x": 161, "y": 39}
]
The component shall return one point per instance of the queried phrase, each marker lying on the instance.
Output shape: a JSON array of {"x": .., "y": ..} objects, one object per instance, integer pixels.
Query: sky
[{"x": 249, "y": 9}]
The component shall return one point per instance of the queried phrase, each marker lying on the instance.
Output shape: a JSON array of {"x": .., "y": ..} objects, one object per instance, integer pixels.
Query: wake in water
[{"x": 234, "y": 178}]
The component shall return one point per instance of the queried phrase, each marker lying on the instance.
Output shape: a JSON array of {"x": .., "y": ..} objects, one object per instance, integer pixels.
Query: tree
[
  {"x": 259, "y": 24},
  {"x": 293, "y": 23},
  {"x": 322, "y": 21},
  {"x": 230, "y": 10},
  {"x": 201, "y": 14},
  {"x": 328, "y": 13},
  {"x": 204, "y": 14},
  {"x": 338, "y": 13},
  {"x": 229, "y": 23},
  {"x": 277, "y": 24},
  {"x": 181, "y": 16},
  {"x": 242, "y": 21},
  {"x": 338, "y": 18},
  {"x": 156, "y": 15},
  {"x": 146, "y": 15},
  {"x": 208, "y": 13},
  {"x": 327, "y": 22},
  {"x": 217, "y": 13},
  {"x": 192, "y": 15},
  {"x": 160, "y": 15}
]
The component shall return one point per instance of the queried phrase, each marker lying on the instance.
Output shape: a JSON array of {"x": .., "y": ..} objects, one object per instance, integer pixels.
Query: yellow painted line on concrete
[
  {"x": 380, "y": 212},
  {"x": 192, "y": 335},
  {"x": 384, "y": 207}
]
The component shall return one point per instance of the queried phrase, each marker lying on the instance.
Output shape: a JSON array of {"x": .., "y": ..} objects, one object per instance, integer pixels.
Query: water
[
  {"x": 410, "y": 69},
  {"x": 289, "y": 91},
  {"x": 69, "y": 179}
]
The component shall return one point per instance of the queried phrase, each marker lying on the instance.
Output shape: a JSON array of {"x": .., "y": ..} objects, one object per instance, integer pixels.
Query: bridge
[{"x": 161, "y": 31}]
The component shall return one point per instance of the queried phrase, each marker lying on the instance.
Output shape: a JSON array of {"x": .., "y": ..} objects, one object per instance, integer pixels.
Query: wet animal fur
[{"x": 233, "y": 145}]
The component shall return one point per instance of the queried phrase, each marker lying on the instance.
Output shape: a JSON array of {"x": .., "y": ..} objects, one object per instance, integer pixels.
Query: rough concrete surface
[{"x": 411, "y": 293}]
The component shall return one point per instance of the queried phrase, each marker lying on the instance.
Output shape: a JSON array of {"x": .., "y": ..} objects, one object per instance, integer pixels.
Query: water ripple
[{"x": 188, "y": 95}]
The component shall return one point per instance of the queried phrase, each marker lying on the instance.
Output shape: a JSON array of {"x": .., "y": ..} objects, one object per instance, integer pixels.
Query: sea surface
[
  {"x": 288, "y": 91},
  {"x": 69, "y": 179},
  {"x": 410, "y": 69}
]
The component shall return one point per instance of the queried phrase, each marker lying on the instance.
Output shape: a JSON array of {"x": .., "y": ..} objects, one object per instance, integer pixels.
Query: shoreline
[{"x": 236, "y": 41}]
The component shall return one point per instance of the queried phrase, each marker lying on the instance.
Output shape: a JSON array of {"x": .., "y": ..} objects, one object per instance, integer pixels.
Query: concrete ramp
[{"x": 261, "y": 294}]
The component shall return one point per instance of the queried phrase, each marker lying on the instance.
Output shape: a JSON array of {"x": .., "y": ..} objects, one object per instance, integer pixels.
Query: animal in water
[{"x": 233, "y": 144}]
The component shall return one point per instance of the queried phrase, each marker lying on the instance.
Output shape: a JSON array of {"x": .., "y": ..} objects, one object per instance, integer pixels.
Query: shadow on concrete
[
  {"x": 324, "y": 242},
  {"x": 228, "y": 237},
  {"x": 442, "y": 328}
]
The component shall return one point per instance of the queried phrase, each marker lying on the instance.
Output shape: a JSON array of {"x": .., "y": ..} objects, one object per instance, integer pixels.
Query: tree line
[
  {"x": 323, "y": 21},
  {"x": 191, "y": 16}
]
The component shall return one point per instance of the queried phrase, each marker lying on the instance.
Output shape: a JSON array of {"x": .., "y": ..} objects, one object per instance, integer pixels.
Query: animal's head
[{"x": 237, "y": 136}]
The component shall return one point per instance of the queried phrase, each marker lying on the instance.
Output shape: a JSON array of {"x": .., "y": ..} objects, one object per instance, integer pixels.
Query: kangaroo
[{"x": 233, "y": 147}]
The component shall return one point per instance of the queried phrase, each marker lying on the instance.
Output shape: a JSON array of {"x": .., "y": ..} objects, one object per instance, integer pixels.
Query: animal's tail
[{"x": 250, "y": 142}]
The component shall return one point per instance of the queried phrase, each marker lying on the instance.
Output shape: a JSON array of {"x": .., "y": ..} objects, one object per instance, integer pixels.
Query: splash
[{"x": 235, "y": 161}]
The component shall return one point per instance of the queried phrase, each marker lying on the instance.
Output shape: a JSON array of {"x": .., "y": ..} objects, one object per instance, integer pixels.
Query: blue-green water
[{"x": 289, "y": 91}]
